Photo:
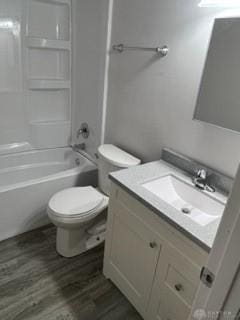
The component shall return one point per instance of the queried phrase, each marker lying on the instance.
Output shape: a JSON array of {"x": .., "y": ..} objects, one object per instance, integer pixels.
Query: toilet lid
[{"x": 75, "y": 201}]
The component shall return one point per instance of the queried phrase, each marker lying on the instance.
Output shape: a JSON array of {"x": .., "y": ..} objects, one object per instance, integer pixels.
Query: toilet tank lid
[{"x": 117, "y": 157}]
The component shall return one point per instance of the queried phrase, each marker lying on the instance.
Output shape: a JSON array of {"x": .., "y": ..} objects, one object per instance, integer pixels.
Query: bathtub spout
[{"x": 79, "y": 147}]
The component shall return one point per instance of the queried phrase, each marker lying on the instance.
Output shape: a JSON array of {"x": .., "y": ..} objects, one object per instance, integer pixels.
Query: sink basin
[{"x": 187, "y": 199}]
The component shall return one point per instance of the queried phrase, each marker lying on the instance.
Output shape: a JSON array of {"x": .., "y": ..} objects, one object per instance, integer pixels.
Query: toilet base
[
  {"x": 71, "y": 242},
  {"x": 74, "y": 241}
]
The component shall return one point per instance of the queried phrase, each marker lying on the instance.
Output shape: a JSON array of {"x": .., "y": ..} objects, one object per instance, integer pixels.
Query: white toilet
[{"x": 80, "y": 213}]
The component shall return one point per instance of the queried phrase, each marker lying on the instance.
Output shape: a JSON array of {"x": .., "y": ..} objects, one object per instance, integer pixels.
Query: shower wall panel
[{"x": 35, "y": 74}]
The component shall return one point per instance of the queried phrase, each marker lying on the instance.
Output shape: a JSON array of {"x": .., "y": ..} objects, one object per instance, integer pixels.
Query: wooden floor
[{"x": 37, "y": 284}]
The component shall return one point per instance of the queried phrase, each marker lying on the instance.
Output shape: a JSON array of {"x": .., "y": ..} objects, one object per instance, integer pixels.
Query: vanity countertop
[{"x": 132, "y": 179}]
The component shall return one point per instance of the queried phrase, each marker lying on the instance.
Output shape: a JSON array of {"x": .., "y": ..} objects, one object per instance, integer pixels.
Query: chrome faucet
[
  {"x": 84, "y": 131},
  {"x": 201, "y": 181}
]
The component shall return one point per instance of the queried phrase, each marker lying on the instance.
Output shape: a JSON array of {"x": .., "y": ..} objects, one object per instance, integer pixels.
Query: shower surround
[
  {"x": 35, "y": 81},
  {"x": 47, "y": 47}
]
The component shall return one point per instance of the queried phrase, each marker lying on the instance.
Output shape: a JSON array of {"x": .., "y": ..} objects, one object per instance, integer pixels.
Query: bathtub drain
[
  {"x": 78, "y": 162},
  {"x": 186, "y": 210}
]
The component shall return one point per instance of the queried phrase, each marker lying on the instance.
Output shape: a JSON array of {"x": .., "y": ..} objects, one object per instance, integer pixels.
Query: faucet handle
[
  {"x": 84, "y": 131},
  {"x": 202, "y": 173}
]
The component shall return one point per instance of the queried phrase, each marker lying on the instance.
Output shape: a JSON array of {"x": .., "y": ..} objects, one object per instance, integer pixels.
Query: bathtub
[{"x": 29, "y": 179}]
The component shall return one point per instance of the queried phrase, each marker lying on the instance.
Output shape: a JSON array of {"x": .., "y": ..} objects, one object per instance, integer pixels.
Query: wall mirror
[{"x": 219, "y": 96}]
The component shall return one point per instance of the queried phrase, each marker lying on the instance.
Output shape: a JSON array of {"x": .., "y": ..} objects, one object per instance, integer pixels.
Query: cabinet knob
[
  {"x": 152, "y": 244},
  {"x": 178, "y": 287}
]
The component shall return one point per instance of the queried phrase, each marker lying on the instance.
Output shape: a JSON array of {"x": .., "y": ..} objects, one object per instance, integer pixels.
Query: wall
[
  {"x": 150, "y": 100},
  {"x": 90, "y": 23}
]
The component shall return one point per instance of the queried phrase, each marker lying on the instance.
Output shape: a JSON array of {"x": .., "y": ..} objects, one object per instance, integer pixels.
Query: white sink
[{"x": 187, "y": 199}]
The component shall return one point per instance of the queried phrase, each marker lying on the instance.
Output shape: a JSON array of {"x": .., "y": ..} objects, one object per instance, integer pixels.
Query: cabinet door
[
  {"x": 175, "y": 286},
  {"x": 134, "y": 252}
]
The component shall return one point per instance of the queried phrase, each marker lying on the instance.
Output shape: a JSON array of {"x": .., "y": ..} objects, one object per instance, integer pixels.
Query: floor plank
[{"x": 38, "y": 284}]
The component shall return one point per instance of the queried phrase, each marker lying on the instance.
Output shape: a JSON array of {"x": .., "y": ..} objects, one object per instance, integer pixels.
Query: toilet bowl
[
  {"x": 72, "y": 211},
  {"x": 80, "y": 212}
]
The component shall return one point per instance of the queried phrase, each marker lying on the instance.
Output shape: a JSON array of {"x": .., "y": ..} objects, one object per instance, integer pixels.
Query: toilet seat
[{"x": 79, "y": 203}]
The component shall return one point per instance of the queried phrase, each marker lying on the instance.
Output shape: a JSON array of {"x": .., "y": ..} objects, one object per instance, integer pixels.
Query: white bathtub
[{"x": 29, "y": 179}]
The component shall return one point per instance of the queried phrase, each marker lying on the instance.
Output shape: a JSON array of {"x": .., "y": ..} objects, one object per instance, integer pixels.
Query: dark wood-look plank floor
[{"x": 37, "y": 284}]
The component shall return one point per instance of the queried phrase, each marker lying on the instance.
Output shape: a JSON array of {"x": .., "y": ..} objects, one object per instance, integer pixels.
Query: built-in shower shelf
[
  {"x": 61, "y": 1},
  {"x": 46, "y": 134},
  {"x": 51, "y": 123},
  {"x": 41, "y": 43},
  {"x": 39, "y": 84},
  {"x": 48, "y": 44}
]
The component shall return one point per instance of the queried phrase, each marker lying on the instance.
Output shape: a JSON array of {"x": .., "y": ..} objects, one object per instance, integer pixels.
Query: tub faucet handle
[
  {"x": 202, "y": 174},
  {"x": 83, "y": 131}
]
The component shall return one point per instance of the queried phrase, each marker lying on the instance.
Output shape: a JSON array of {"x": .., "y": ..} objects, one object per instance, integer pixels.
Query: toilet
[{"x": 80, "y": 212}]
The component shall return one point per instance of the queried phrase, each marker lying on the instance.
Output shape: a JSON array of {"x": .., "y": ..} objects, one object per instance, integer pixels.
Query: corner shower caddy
[{"x": 48, "y": 64}]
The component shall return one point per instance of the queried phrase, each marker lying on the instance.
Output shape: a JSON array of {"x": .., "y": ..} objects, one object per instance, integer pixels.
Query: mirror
[{"x": 219, "y": 96}]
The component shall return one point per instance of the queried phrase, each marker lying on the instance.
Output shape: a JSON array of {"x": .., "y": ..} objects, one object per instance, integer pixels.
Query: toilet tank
[{"x": 112, "y": 158}]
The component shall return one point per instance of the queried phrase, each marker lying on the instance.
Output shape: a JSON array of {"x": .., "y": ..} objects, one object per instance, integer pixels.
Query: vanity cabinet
[{"x": 155, "y": 266}]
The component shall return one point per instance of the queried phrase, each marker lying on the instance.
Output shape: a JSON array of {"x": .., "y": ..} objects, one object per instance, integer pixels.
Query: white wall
[
  {"x": 90, "y": 23},
  {"x": 151, "y": 101}
]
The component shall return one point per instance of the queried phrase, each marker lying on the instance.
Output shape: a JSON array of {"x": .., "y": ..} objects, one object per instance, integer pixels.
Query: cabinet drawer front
[
  {"x": 180, "y": 285},
  {"x": 175, "y": 286},
  {"x": 178, "y": 274},
  {"x": 169, "y": 307}
]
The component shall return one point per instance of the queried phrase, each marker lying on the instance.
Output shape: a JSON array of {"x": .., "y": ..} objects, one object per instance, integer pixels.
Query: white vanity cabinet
[{"x": 154, "y": 265}]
